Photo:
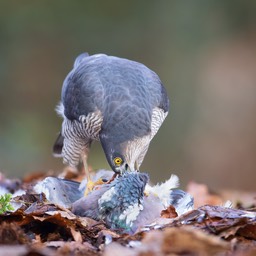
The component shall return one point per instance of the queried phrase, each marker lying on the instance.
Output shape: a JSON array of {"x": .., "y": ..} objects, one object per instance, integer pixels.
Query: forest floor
[{"x": 212, "y": 228}]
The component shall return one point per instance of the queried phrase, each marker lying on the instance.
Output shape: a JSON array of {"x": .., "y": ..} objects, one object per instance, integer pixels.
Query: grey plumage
[
  {"x": 120, "y": 102},
  {"x": 121, "y": 204},
  {"x": 118, "y": 204},
  {"x": 59, "y": 191}
]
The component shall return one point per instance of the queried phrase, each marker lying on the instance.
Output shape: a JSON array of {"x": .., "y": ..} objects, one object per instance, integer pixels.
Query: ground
[{"x": 212, "y": 228}]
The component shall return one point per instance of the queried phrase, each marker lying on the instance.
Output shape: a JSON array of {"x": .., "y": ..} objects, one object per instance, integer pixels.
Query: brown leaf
[
  {"x": 64, "y": 214},
  {"x": 248, "y": 231},
  {"x": 202, "y": 196},
  {"x": 76, "y": 248},
  {"x": 71, "y": 173},
  {"x": 182, "y": 240},
  {"x": 76, "y": 235},
  {"x": 11, "y": 233},
  {"x": 115, "y": 249},
  {"x": 247, "y": 199},
  {"x": 224, "y": 212},
  {"x": 35, "y": 176},
  {"x": 86, "y": 222},
  {"x": 243, "y": 247},
  {"x": 170, "y": 212},
  {"x": 106, "y": 237}
]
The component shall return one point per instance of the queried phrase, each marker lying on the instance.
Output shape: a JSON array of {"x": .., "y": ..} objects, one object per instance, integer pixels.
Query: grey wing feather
[
  {"x": 88, "y": 206},
  {"x": 124, "y": 91},
  {"x": 82, "y": 90},
  {"x": 165, "y": 102},
  {"x": 71, "y": 189},
  {"x": 152, "y": 208},
  {"x": 130, "y": 99},
  {"x": 59, "y": 191}
]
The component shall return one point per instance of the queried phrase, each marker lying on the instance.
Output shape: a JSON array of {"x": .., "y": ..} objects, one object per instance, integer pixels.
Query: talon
[
  {"x": 146, "y": 193},
  {"x": 91, "y": 185},
  {"x": 113, "y": 177}
]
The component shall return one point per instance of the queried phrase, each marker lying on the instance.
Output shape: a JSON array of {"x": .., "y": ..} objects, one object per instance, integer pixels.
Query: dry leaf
[
  {"x": 182, "y": 240},
  {"x": 116, "y": 249},
  {"x": 76, "y": 235},
  {"x": 170, "y": 212},
  {"x": 50, "y": 230},
  {"x": 202, "y": 196},
  {"x": 11, "y": 233},
  {"x": 77, "y": 248},
  {"x": 64, "y": 214},
  {"x": 248, "y": 231}
]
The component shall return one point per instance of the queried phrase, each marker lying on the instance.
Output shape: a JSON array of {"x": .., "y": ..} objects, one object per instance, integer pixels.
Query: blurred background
[{"x": 203, "y": 51}]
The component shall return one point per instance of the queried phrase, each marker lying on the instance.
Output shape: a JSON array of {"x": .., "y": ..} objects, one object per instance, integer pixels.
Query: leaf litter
[{"x": 41, "y": 228}]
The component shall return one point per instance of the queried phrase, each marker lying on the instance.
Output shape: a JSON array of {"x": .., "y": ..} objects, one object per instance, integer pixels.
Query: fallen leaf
[
  {"x": 36, "y": 176},
  {"x": 13, "y": 250},
  {"x": 182, "y": 240},
  {"x": 247, "y": 199},
  {"x": 76, "y": 235},
  {"x": 115, "y": 249},
  {"x": 202, "y": 196},
  {"x": 11, "y": 233},
  {"x": 170, "y": 212},
  {"x": 86, "y": 222},
  {"x": 64, "y": 214},
  {"x": 77, "y": 248},
  {"x": 248, "y": 231}
]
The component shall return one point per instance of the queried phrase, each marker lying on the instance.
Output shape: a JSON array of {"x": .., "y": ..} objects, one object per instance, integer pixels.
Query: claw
[
  {"x": 114, "y": 176},
  {"x": 91, "y": 185}
]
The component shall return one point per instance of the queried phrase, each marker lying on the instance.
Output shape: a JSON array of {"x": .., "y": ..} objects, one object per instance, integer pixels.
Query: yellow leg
[{"x": 90, "y": 184}]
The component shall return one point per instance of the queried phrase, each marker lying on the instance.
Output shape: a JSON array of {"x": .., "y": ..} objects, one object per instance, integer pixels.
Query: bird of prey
[{"x": 119, "y": 102}]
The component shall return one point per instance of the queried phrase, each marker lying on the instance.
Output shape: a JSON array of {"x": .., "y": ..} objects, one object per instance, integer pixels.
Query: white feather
[
  {"x": 163, "y": 190},
  {"x": 184, "y": 205},
  {"x": 107, "y": 196},
  {"x": 60, "y": 110},
  {"x": 41, "y": 187},
  {"x": 19, "y": 192},
  {"x": 131, "y": 213},
  {"x": 228, "y": 204}
]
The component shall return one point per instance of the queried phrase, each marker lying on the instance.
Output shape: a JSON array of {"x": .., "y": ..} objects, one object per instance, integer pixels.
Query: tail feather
[
  {"x": 181, "y": 200},
  {"x": 58, "y": 145}
]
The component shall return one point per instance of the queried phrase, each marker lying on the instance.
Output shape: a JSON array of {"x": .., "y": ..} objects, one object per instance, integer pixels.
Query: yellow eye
[{"x": 118, "y": 161}]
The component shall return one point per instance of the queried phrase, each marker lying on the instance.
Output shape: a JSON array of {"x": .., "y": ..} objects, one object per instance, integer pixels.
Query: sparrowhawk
[{"x": 119, "y": 102}]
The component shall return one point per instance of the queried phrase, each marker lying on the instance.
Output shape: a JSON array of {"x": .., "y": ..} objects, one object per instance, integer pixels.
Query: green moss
[{"x": 5, "y": 204}]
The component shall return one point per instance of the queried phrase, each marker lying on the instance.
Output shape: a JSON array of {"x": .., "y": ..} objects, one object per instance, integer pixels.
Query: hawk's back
[{"x": 124, "y": 91}]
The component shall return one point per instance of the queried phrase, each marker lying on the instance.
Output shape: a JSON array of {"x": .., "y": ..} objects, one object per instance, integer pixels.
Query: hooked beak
[{"x": 122, "y": 169}]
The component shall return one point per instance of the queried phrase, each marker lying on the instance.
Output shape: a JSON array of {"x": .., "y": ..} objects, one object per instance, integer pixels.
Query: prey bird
[
  {"x": 119, "y": 102},
  {"x": 126, "y": 204}
]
